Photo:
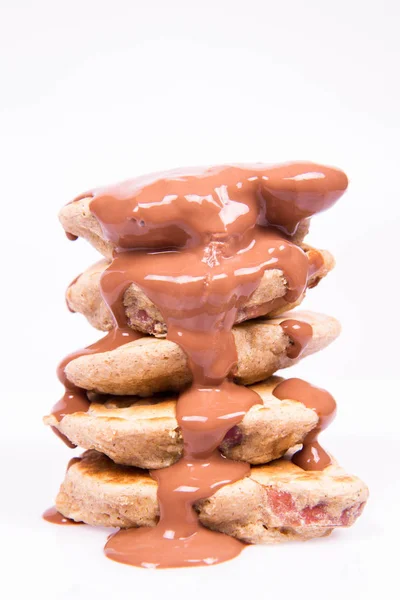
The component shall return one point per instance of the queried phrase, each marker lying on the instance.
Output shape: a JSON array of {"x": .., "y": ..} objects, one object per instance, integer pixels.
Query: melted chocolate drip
[
  {"x": 312, "y": 457},
  {"x": 75, "y": 398},
  {"x": 197, "y": 243},
  {"x": 299, "y": 333}
]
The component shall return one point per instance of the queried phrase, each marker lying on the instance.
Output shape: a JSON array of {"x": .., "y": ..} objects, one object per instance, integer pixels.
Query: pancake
[
  {"x": 145, "y": 434},
  {"x": 277, "y": 502},
  {"x": 151, "y": 365},
  {"x": 83, "y": 296}
]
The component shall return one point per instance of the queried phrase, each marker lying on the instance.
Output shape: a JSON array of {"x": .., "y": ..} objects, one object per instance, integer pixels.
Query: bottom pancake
[{"x": 277, "y": 502}]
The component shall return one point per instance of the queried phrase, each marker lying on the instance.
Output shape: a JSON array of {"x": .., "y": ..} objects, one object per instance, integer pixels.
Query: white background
[{"x": 97, "y": 91}]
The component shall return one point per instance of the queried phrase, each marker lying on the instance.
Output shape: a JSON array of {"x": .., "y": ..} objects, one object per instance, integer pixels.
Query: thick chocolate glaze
[
  {"x": 198, "y": 242},
  {"x": 312, "y": 457},
  {"x": 299, "y": 333},
  {"x": 186, "y": 207}
]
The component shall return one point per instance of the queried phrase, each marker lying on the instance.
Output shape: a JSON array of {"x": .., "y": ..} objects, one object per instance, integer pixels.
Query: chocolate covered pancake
[
  {"x": 150, "y": 365},
  {"x": 146, "y": 217},
  {"x": 146, "y": 434},
  {"x": 276, "y": 502},
  {"x": 84, "y": 296}
]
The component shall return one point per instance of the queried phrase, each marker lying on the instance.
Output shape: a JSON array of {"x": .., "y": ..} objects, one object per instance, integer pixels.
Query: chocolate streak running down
[
  {"x": 312, "y": 457},
  {"x": 75, "y": 398},
  {"x": 198, "y": 243},
  {"x": 299, "y": 333}
]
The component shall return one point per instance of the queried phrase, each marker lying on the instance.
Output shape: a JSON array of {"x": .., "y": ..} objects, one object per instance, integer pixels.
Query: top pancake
[{"x": 151, "y": 365}]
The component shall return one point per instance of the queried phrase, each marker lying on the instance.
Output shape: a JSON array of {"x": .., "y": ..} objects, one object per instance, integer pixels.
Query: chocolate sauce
[
  {"x": 53, "y": 516},
  {"x": 205, "y": 414},
  {"x": 312, "y": 457},
  {"x": 197, "y": 242},
  {"x": 299, "y": 333},
  {"x": 199, "y": 307},
  {"x": 185, "y": 207},
  {"x": 75, "y": 398}
]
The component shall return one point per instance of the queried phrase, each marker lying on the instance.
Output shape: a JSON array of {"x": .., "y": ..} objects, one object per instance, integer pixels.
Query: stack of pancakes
[{"x": 130, "y": 424}]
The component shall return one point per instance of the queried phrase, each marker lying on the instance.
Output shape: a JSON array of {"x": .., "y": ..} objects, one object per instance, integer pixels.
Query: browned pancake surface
[
  {"x": 145, "y": 433},
  {"x": 278, "y": 502}
]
